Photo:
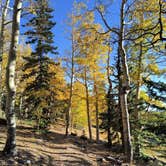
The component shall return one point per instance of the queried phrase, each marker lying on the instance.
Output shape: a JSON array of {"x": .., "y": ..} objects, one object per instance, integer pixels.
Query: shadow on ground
[{"x": 52, "y": 149}]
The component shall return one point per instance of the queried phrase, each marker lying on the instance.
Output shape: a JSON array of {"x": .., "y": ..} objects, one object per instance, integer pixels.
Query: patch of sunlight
[{"x": 158, "y": 152}]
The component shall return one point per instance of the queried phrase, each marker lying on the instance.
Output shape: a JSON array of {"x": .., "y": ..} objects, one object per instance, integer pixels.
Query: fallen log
[{"x": 114, "y": 160}]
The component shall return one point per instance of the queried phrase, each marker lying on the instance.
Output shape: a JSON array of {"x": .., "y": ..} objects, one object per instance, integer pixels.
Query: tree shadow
[
  {"x": 58, "y": 138},
  {"x": 22, "y": 158},
  {"x": 46, "y": 148}
]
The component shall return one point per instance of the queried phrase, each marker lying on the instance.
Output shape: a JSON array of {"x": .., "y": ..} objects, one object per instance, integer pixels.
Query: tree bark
[
  {"x": 126, "y": 126},
  {"x": 136, "y": 111},
  {"x": 137, "y": 126},
  {"x": 3, "y": 19},
  {"x": 97, "y": 112},
  {"x": 10, "y": 146},
  {"x": 124, "y": 89},
  {"x": 109, "y": 99},
  {"x": 118, "y": 66},
  {"x": 87, "y": 104}
]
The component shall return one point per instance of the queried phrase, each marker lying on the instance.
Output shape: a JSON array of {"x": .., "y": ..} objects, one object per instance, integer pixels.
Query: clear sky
[{"x": 62, "y": 9}]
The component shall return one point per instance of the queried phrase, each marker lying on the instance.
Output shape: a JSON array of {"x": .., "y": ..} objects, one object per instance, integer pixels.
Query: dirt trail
[{"x": 53, "y": 149}]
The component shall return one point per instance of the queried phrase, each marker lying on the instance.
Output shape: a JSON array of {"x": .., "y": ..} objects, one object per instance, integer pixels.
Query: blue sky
[{"x": 62, "y": 9}]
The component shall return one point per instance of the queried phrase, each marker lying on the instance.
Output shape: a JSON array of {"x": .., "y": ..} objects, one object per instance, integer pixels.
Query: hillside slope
[{"x": 53, "y": 149}]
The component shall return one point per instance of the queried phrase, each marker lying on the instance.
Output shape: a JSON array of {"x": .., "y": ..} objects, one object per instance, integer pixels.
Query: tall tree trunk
[
  {"x": 109, "y": 100},
  {"x": 87, "y": 104},
  {"x": 3, "y": 19},
  {"x": 68, "y": 114},
  {"x": 124, "y": 89},
  {"x": 10, "y": 146},
  {"x": 71, "y": 122},
  {"x": 126, "y": 126},
  {"x": 136, "y": 111},
  {"x": 125, "y": 82},
  {"x": 109, "y": 116},
  {"x": 97, "y": 112},
  {"x": 137, "y": 126},
  {"x": 118, "y": 65}
]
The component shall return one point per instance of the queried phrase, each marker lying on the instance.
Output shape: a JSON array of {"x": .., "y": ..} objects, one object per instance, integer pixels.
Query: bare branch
[
  {"x": 106, "y": 24},
  {"x": 8, "y": 22}
]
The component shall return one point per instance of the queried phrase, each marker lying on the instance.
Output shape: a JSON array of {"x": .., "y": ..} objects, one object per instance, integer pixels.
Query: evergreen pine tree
[
  {"x": 152, "y": 116},
  {"x": 156, "y": 91},
  {"x": 40, "y": 36}
]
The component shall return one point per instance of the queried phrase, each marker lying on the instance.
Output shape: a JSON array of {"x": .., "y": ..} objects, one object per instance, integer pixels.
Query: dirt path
[{"x": 53, "y": 149}]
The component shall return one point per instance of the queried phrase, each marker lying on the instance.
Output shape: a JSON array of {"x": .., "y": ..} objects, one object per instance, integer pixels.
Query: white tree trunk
[
  {"x": 125, "y": 80},
  {"x": 10, "y": 147},
  {"x": 3, "y": 19}
]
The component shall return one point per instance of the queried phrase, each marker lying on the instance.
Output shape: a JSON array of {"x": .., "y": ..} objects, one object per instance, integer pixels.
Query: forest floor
[{"x": 54, "y": 149}]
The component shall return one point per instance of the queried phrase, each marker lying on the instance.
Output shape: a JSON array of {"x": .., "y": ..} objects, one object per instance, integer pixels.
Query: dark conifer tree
[
  {"x": 156, "y": 91},
  {"x": 40, "y": 36}
]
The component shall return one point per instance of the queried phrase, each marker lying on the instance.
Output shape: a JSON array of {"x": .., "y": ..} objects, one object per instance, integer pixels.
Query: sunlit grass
[{"x": 159, "y": 152}]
